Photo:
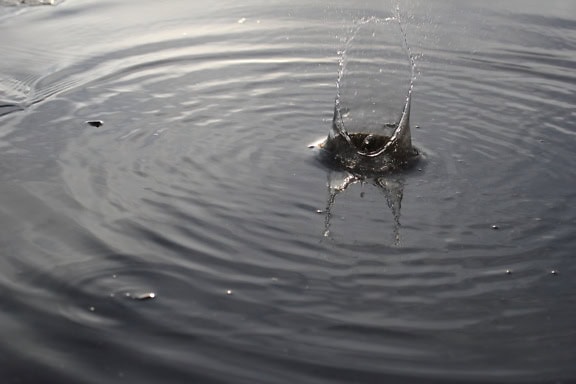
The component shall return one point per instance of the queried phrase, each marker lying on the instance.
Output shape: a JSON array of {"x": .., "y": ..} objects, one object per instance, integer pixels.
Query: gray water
[{"x": 194, "y": 237}]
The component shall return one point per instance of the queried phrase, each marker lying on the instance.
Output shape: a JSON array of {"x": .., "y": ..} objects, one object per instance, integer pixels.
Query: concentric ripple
[{"x": 191, "y": 235}]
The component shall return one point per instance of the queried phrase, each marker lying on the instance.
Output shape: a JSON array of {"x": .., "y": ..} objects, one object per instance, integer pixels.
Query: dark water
[{"x": 180, "y": 241}]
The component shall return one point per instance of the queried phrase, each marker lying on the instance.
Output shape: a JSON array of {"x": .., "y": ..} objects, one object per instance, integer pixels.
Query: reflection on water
[{"x": 391, "y": 187}]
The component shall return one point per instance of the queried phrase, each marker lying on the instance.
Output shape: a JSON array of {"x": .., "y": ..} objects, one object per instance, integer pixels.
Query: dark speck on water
[{"x": 95, "y": 123}]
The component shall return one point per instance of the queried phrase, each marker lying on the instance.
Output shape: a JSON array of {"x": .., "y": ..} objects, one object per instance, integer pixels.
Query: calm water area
[{"x": 163, "y": 219}]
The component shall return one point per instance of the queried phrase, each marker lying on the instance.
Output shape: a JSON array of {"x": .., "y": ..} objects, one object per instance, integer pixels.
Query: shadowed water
[{"x": 163, "y": 221}]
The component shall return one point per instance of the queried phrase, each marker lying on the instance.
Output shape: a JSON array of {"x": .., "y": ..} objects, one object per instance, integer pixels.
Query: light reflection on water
[{"x": 198, "y": 187}]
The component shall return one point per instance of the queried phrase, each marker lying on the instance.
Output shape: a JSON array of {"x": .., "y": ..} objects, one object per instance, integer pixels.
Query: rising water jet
[{"x": 372, "y": 152}]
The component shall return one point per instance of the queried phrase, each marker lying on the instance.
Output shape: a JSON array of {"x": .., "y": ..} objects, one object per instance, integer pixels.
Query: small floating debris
[
  {"x": 242, "y": 20},
  {"x": 495, "y": 226},
  {"x": 95, "y": 123},
  {"x": 554, "y": 272},
  {"x": 317, "y": 144},
  {"x": 229, "y": 292},
  {"x": 508, "y": 272},
  {"x": 141, "y": 296},
  {"x": 145, "y": 296}
]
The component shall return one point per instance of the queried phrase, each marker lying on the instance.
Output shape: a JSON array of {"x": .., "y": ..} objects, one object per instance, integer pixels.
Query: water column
[
  {"x": 375, "y": 79},
  {"x": 370, "y": 134}
]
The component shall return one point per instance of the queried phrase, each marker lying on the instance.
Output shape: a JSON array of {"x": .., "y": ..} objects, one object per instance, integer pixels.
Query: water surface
[{"x": 199, "y": 188}]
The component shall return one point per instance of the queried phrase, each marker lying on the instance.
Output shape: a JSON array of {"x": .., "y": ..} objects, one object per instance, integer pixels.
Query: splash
[
  {"x": 367, "y": 153},
  {"x": 378, "y": 152}
]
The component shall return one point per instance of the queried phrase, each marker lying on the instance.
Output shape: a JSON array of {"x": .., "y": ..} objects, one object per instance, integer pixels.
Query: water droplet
[
  {"x": 495, "y": 226},
  {"x": 145, "y": 296},
  {"x": 95, "y": 123},
  {"x": 508, "y": 272},
  {"x": 554, "y": 272},
  {"x": 319, "y": 211}
]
